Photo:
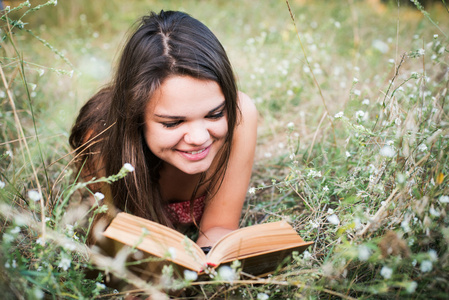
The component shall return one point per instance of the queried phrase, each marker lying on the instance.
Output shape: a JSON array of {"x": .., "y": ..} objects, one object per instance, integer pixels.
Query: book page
[
  {"x": 256, "y": 240},
  {"x": 156, "y": 239}
]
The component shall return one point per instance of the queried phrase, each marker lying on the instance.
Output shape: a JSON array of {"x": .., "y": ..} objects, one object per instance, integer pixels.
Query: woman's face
[{"x": 186, "y": 123}]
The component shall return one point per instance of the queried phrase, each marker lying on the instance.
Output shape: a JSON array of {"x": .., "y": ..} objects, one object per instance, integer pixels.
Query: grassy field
[{"x": 353, "y": 143}]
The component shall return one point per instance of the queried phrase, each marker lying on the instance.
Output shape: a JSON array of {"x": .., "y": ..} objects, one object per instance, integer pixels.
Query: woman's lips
[{"x": 195, "y": 155}]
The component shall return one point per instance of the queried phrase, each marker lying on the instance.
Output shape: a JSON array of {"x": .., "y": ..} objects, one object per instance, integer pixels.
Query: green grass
[{"x": 368, "y": 185}]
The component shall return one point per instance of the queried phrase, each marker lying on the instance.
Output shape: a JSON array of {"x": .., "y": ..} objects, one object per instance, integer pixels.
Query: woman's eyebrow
[{"x": 182, "y": 117}]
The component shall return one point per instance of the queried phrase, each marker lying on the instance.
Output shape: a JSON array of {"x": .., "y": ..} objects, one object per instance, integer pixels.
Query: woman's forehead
[{"x": 179, "y": 95}]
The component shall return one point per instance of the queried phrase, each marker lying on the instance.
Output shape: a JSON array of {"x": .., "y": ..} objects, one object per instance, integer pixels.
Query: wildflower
[
  {"x": 34, "y": 195},
  {"x": 314, "y": 224},
  {"x": 434, "y": 212},
  {"x": 386, "y": 272},
  {"x": 262, "y": 296},
  {"x": 337, "y": 24},
  {"x": 100, "y": 286},
  {"x": 433, "y": 255},
  {"x": 365, "y": 102},
  {"x": 252, "y": 191},
  {"x": 444, "y": 199},
  {"x": 421, "y": 52},
  {"x": 128, "y": 167},
  {"x": 391, "y": 61},
  {"x": 398, "y": 121},
  {"x": 333, "y": 219},
  {"x": 2, "y": 94},
  {"x": 364, "y": 253},
  {"x": 38, "y": 294},
  {"x": 290, "y": 93},
  {"x": 435, "y": 36},
  {"x": 339, "y": 115},
  {"x": 405, "y": 226},
  {"x": 16, "y": 230},
  {"x": 65, "y": 263},
  {"x": 387, "y": 151},
  {"x": 355, "y": 80},
  {"x": 98, "y": 196},
  {"x": 9, "y": 153},
  {"x": 325, "y": 189},
  {"x": 190, "y": 275},
  {"x": 426, "y": 266},
  {"x": 307, "y": 255},
  {"x": 290, "y": 125},
  {"x": 171, "y": 252},
  {"x": 313, "y": 173},
  {"x": 422, "y": 147},
  {"x": 359, "y": 114},
  {"x": 357, "y": 92},
  {"x": 281, "y": 145},
  {"x": 380, "y": 46},
  {"x": 411, "y": 287},
  {"x": 227, "y": 273},
  {"x": 40, "y": 241}
]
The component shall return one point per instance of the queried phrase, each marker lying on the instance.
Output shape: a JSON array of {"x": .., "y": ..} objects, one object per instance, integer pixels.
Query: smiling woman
[{"x": 173, "y": 112}]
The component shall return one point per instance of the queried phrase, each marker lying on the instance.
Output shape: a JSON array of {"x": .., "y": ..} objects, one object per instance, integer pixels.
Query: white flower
[
  {"x": 2, "y": 184},
  {"x": 333, "y": 219},
  {"x": 128, "y": 167},
  {"x": 337, "y": 24},
  {"x": 381, "y": 46},
  {"x": 15, "y": 230},
  {"x": 98, "y": 196},
  {"x": 386, "y": 272},
  {"x": 290, "y": 125},
  {"x": 307, "y": 255},
  {"x": 398, "y": 121},
  {"x": 65, "y": 263},
  {"x": 426, "y": 266},
  {"x": 422, "y": 147},
  {"x": 190, "y": 275},
  {"x": 387, "y": 151},
  {"x": 100, "y": 286},
  {"x": 325, "y": 188},
  {"x": 171, "y": 252},
  {"x": 357, "y": 92},
  {"x": 40, "y": 241},
  {"x": 313, "y": 173},
  {"x": 411, "y": 287},
  {"x": 364, "y": 253},
  {"x": 348, "y": 154},
  {"x": 421, "y": 51},
  {"x": 365, "y": 102},
  {"x": 444, "y": 199},
  {"x": 252, "y": 191},
  {"x": 330, "y": 211},
  {"x": 391, "y": 61},
  {"x": 405, "y": 226},
  {"x": 38, "y": 294},
  {"x": 359, "y": 114},
  {"x": 433, "y": 255},
  {"x": 227, "y": 273},
  {"x": 435, "y": 36},
  {"x": 314, "y": 224},
  {"x": 262, "y": 296},
  {"x": 434, "y": 212},
  {"x": 34, "y": 195},
  {"x": 355, "y": 80},
  {"x": 339, "y": 115}
]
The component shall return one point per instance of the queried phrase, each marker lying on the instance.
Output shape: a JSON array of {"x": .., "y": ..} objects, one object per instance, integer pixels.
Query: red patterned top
[{"x": 179, "y": 212}]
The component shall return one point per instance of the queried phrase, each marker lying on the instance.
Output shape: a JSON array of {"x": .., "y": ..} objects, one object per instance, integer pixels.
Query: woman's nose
[{"x": 197, "y": 134}]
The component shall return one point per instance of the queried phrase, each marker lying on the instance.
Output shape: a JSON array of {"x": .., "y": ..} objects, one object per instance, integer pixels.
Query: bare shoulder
[{"x": 248, "y": 110}]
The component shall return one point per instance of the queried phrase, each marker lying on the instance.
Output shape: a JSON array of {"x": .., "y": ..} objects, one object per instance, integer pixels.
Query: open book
[{"x": 260, "y": 248}]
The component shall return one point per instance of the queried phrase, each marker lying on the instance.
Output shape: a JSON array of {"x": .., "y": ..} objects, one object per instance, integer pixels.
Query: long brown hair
[{"x": 166, "y": 44}]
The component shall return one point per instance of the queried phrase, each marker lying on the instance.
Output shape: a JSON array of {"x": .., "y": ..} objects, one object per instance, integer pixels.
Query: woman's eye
[
  {"x": 171, "y": 124},
  {"x": 217, "y": 115}
]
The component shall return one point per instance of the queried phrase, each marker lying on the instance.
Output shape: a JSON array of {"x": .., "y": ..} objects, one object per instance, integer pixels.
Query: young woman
[{"x": 174, "y": 113}]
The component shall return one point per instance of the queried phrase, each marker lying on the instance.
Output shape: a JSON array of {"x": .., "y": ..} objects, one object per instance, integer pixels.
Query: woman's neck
[{"x": 176, "y": 185}]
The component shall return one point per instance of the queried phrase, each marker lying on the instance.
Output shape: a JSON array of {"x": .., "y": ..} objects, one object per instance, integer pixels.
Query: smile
[
  {"x": 195, "y": 155},
  {"x": 195, "y": 152}
]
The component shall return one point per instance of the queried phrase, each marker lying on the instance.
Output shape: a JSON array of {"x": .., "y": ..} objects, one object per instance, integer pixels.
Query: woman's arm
[{"x": 223, "y": 211}]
